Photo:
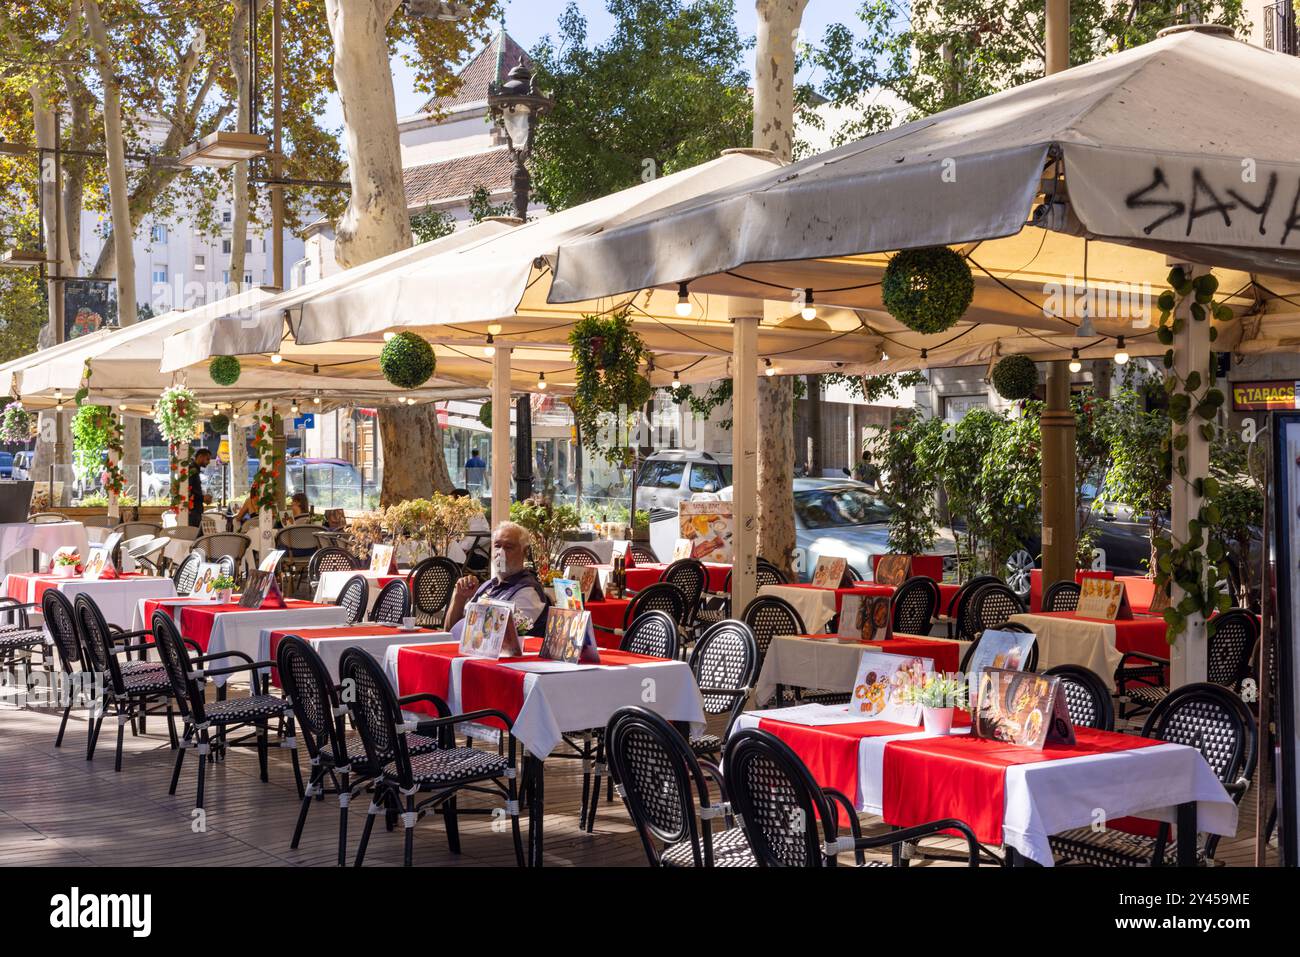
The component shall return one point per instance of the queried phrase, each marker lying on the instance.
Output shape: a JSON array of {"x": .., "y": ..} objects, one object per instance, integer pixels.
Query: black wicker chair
[
  {"x": 338, "y": 765},
  {"x": 1141, "y": 686},
  {"x": 1031, "y": 660},
  {"x": 660, "y": 596},
  {"x": 353, "y": 598},
  {"x": 432, "y": 582},
  {"x": 329, "y": 559},
  {"x": 666, "y": 793},
  {"x": 1086, "y": 696},
  {"x": 229, "y": 566},
  {"x": 576, "y": 555},
  {"x": 78, "y": 677},
  {"x": 444, "y": 771},
  {"x": 725, "y": 663},
  {"x": 768, "y": 574},
  {"x": 914, "y": 604},
  {"x": 715, "y": 606},
  {"x": 128, "y": 687},
  {"x": 189, "y": 675},
  {"x": 989, "y": 605},
  {"x": 1061, "y": 596},
  {"x": 768, "y": 616},
  {"x": 850, "y": 577},
  {"x": 393, "y": 603},
  {"x": 19, "y": 642},
  {"x": 961, "y": 598},
  {"x": 790, "y": 821},
  {"x": 690, "y": 577},
  {"x": 1205, "y": 716},
  {"x": 642, "y": 555},
  {"x": 187, "y": 573}
]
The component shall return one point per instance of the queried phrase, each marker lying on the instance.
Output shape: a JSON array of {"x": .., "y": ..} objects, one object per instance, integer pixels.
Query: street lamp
[{"x": 515, "y": 105}]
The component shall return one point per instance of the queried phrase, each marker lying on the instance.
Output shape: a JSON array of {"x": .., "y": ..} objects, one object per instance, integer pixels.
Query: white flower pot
[
  {"x": 65, "y": 571},
  {"x": 223, "y": 596},
  {"x": 937, "y": 720}
]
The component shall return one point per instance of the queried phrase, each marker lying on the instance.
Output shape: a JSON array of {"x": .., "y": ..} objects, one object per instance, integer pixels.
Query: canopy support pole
[
  {"x": 114, "y": 514},
  {"x": 1188, "y": 658},
  {"x": 744, "y": 455},
  {"x": 500, "y": 435},
  {"x": 266, "y": 461}
]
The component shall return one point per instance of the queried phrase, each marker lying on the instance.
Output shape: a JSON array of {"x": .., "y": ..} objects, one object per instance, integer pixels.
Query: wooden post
[
  {"x": 744, "y": 453},
  {"x": 113, "y": 511},
  {"x": 500, "y": 435},
  {"x": 1187, "y": 659}
]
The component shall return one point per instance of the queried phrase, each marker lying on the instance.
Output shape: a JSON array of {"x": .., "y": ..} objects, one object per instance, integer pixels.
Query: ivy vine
[
  {"x": 1192, "y": 560},
  {"x": 263, "y": 488},
  {"x": 609, "y": 389},
  {"x": 96, "y": 431}
]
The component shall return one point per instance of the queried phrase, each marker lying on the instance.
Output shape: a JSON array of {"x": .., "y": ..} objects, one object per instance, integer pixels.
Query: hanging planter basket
[
  {"x": 15, "y": 424},
  {"x": 1015, "y": 377},
  {"x": 219, "y": 423},
  {"x": 224, "y": 370},
  {"x": 407, "y": 361},
  {"x": 609, "y": 386},
  {"x": 177, "y": 408},
  {"x": 485, "y": 415},
  {"x": 927, "y": 290}
]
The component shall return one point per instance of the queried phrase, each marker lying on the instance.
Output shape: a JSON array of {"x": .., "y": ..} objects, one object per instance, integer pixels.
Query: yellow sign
[{"x": 223, "y": 450}]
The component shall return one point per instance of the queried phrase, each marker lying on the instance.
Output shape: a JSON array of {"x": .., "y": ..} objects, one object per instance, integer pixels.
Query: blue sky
[{"x": 529, "y": 20}]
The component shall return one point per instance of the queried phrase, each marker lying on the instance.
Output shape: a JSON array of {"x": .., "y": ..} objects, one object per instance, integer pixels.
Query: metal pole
[
  {"x": 500, "y": 435},
  {"x": 744, "y": 447}
]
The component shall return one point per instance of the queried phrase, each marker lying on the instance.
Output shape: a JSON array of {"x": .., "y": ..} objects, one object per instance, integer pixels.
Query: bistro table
[
  {"x": 17, "y": 539},
  {"x": 828, "y": 663},
  {"x": 216, "y": 626},
  {"x": 545, "y": 699},
  {"x": 1012, "y": 796},
  {"x": 331, "y": 583},
  {"x": 1064, "y": 638},
  {"x": 645, "y": 574},
  {"x": 331, "y": 641},
  {"x": 116, "y": 597}
]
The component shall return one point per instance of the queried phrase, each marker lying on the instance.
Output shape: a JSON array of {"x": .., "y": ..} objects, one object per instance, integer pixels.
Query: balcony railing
[{"x": 1280, "y": 27}]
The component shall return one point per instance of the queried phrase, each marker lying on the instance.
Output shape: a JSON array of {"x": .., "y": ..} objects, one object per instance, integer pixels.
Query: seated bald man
[{"x": 510, "y": 581}]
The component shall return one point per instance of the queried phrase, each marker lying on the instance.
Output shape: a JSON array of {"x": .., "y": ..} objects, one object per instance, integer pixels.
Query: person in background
[
  {"x": 246, "y": 511},
  {"x": 298, "y": 505},
  {"x": 196, "y": 497},
  {"x": 474, "y": 462},
  {"x": 511, "y": 581},
  {"x": 867, "y": 471}
]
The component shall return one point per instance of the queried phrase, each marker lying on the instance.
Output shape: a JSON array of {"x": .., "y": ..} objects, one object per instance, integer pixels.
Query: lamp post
[{"x": 515, "y": 105}]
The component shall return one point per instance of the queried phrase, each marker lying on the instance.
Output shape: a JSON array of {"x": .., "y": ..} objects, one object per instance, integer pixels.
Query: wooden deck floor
[{"x": 57, "y": 808}]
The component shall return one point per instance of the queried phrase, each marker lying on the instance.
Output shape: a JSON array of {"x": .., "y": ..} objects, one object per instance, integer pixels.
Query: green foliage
[
  {"x": 910, "y": 486},
  {"x": 96, "y": 431},
  {"x": 23, "y": 311},
  {"x": 547, "y": 524},
  {"x": 407, "y": 361},
  {"x": 224, "y": 370},
  {"x": 1136, "y": 474},
  {"x": 927, "y": 290},
  {"x": 666, "y": 91},
  {"x": 219, "y": 423},
  {"x": 430, "y": 224},
  {"x": 15, "y": 424},
  {"x": 481, "y": 207},
  {"x": 485, "y": 414},
  {"x": 702, "y": 406},
  {"x": 872, "y": 388},
  {"x": 610, "y": 389},
  {"x": 1015, "y": 377}
]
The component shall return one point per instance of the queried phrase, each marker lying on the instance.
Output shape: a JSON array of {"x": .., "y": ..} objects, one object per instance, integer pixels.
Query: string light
[
  {"x": 494, "y": 328},
  {"x": 389, "y": 335},
  {"x": 276, "y": 359},
  {"x": 1121, "y": 354},
  {"x": 683, "y": 300},
  {"x": 809, "y": 310},
  {"x": 488, "y": 348},
  {"x": 771, "y": 369},
  {"x": 541, "y": 382},
  {"x": 677, "y": 381},
  {"x": 58, "y": 395},
  {"x": 294, "y": 408},
  {"x": 1075, "y": 364},
  {"x": 315, "y": 399}
]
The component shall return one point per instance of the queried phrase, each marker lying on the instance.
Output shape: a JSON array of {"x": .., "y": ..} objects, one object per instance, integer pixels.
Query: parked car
[
  {"x": 22, "y": 465},
  {"x": 6, "y": 465},
  {"x": 325, "y": 481},
  {"x": 155, "y": 477},
  {"x": 671, "y": 476}
]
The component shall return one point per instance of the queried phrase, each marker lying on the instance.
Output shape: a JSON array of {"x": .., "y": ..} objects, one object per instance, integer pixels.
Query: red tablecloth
[
  {"x": 945, "y": 654},
  {"x": 929, "y": 565},
  {"x": 608, "y": 613},
  {"x": 1140, "y": 590},
  {"x": 1036, "y": 584},
  {"x": 484, "y": 683},
  {"x": 195, "y": 619},
  {"x": 647, "y": 573},
  {"x": 831, "y": 751},
  {"x": 18, "y": 585},
  {"x": 928, "y": 779},
  {"x": 1140, "y": 633},
  {"x": 338, "y": 631},
  {"x": 947, "y": 591}
]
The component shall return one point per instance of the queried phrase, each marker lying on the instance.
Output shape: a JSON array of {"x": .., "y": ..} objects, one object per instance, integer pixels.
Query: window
[
  {"x": 225, "y": 216},
  {"x": 831, "y": 507},
  {"x": 225, "y": 277},
  {"x": 158, "y": 235},
  {"x": 667, "y": 475},
  {"x": 225, "y": 246},
  {"x": 248, "y": 245},
  {"x": 705, "y": 478},
  {"x": 160, "y": 277},
  {"x": 200, "y": 263},
  {"x": 248, "y": 279}
]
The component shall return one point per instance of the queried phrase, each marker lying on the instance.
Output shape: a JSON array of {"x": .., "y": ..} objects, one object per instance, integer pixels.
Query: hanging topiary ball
[
  {"x": 1015, "y": 377},
  {"x": 485, "y": 414},
  {"x": 224, "y": 370},
  {"x": 407, "y": 361},
  {"x": 927, "y": 290},
  {"x": 219, "y": 423}
]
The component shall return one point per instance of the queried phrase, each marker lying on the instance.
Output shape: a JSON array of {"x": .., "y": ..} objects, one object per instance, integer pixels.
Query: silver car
[{"x": 671, "y": 476}]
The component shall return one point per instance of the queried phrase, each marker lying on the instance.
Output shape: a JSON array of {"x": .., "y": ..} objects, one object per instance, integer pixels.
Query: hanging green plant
[
  {"x": 97, "y": 440},
  {"x": 177, "y": 408},
  {"x": 1015, "y": 377},
  {"x": 224, "y": 370},
  {"x": 219, "y": 423},
  {"x": 609, "y": 390},
  {"x": 15, "y": 424},
  {"x": 407, "y": 361},
  {"x": 927, "y": 290},
  {"x": 1192, "y": 559},
  {"x": 83, "y": 389},
  {"x": 485, "y": 414}
]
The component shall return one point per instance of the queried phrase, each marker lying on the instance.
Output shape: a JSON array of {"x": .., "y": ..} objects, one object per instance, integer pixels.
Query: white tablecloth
[
  {"x": 816, "y": 606},
  {"x": 118, "y": 598},
  {"x": 331, "y": 583},
  {"x": 1054, "y": 796},
  {"x": 17, "y": 538},
  {"x": 1074, "y": 641},
  {"x": 825, "y": 665},
  {"x": 580, "y": 698},
  {"x": 372, "y": 638},
  {"x": 242, "y": 630}
]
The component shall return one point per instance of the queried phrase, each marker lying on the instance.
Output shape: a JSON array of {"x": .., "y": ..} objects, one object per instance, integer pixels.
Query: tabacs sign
[{"x": 1262, "y": 396}]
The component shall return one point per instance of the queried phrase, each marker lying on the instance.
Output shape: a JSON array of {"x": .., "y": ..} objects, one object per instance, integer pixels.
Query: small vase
[
  {"x": 223, "y": 596},
  {"x": 65, "y": 571},
  {"x": 937, "y": 720}
]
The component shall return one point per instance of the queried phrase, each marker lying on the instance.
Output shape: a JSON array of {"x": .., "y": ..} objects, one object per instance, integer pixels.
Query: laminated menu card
[
  {"x": 204, "y": 589},
  {"x": 98, "y": 560},
  {"x": 569, "y": 637},
  {"x": 568, "y": 593},
  {"x": 261, "y": 591},
  {"x": 829, "y": 572},
  {"x": 489, "y": 630},
  {"x": 1022, "y": 708},
  {"x": 382, "y": 560},
  {"x": 893, "y": 569},
  {"x": 878, "y": 687},
  {"x": 271, "y": 561},
  {"x": 1103, "y": 598}
]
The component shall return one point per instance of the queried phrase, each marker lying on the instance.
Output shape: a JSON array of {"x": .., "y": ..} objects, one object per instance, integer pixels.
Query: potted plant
[
  {"x": 66, "y": 564},
  {"x": 938, "y": 695},
  {"x": 223, "y": 585}
]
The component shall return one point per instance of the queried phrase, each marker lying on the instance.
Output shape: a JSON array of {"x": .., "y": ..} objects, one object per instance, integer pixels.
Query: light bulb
[
  {"x": 809, "y": 310},
  {"x": 494, "y": 328},
  {"x": 315, "y": 400},
  {"x": 58, "y": 395},
  {"x": 771, "y": 369},
  {"x": 541, "y": 382},
  {"x": 276, "y": 359},
  {"x": 488, "y": 347},
  {"x": 389, "y": 335},
  {"x": 1121, "y": 354},
  {"x": 294, "y": 408},
  {"x": 121, "y": 407},
  {"x": 1075, "y": 364},
  {"x": 683, "y": 300},
  {"x": 677, "y": 381}
]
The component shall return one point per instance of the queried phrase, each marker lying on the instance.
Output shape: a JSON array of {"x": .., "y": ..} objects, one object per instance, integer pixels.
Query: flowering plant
[
  {"x": 67, "y": 558},
  {"x": 935, "y": 691},
  {"x": 177, "y": 408},
  {"x": 222, "y": 582},
  {"x": 263, "y": 488},
  {"x": 15, "y": 424}
]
